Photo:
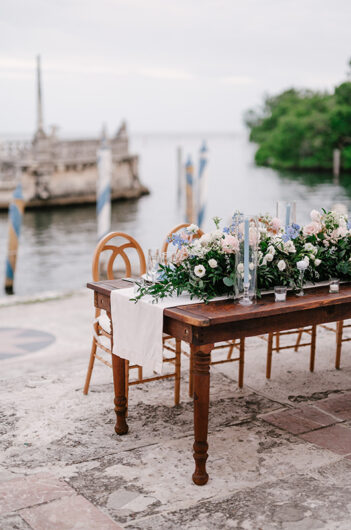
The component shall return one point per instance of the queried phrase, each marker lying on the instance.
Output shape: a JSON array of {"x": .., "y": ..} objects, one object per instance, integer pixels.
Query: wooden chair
[
  {"x": 311, "y": 331},
  {"x": 104, "y": 328},
  {"x": 339, "y": 331},
  {"x": 230, "y": 345}
]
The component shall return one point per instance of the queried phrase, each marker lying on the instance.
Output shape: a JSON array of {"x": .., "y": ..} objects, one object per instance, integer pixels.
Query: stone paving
[{"x": 279, "y": 455}]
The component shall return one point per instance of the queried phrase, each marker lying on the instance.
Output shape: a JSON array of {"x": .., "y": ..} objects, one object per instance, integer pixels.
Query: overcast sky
[{"x": 180, "y": 65}]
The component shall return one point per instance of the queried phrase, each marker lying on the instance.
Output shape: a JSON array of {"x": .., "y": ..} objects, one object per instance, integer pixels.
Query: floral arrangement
[
  {"x": 203, "y": 267},
  {"x": 209, "y": 265},
  {"x": 324, "y": 245}
]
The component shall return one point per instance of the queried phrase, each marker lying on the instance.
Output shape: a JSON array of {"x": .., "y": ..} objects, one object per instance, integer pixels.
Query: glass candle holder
[
  {"x": 280, "y": 293},
  {"x": 248, "y": 235},
  {"x": 334, "y": 285},
  {"x": 302, "y": 266}
]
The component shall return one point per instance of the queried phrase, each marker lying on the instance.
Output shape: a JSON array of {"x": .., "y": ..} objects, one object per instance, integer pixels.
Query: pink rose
[
  {"x": 181, "y": 255},
  {"x": 274, "y": 225},
  {"x": 312, "y": 229},
  {"x": 230, "y": 244},
  {"x": 315, "y": 216},
  {"x": 253, "y": 236}
]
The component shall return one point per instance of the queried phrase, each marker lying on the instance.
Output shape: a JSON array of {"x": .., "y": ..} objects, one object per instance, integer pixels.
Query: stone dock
[{"x": 279, "y": 455}]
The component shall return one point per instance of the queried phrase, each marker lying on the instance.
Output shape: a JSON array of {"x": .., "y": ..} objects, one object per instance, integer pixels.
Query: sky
[{"x": 164, "y": 66}]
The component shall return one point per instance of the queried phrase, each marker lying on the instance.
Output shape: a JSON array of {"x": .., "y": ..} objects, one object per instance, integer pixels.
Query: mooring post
[
  {"x": 202, "y": 185},
  {"x": 16, "y": 209},
  {"x": 336, "y": 163},
  {"x": 189, "y": 196}
]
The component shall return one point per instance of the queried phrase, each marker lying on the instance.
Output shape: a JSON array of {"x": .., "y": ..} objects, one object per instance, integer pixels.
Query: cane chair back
[
  {"x": 227, "y": 346},
  {"x": 115, "y": 251},
  {"x": 120, "y": 248},
  {"x": 175, "y": 230}
]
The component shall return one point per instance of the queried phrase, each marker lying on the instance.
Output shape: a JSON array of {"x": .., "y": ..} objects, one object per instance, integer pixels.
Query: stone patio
[{"x": 279, "y": 455}]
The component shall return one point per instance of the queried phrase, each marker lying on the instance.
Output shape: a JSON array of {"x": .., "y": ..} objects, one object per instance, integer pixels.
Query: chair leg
[
  {"x": 277, "y": 341},
  {"x": 339, "y": 329},
  {"x": 230, "y": 350},
  {"x": 313, "y": 347},
  {"x": 177, "y": 372},
  {"x": 90, "y": 367},
  {"x": 241, "y": 363},
  {"x": 269, "y": 356},
  {"x": 298, "y": 340},
  {"x": 126, "y": 364}
]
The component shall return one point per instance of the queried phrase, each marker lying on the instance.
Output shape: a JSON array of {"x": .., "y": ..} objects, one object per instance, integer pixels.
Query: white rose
[
  {"x": 216, "y": 234},
  {"x": 271, "y": 250},
  {"x": 199, "y": 271},
  {"x": 281, "y": 265},
  {"x": 310, "y": 248},
  {"x": 315, "y": 216},
  {"x": 212, "y": 263},
  {"x": 289, "y": 247},
  {"x": 269, "y": 257},
  {"x": 240, "y": 267},
  {"x": 317, "y": 262},
  {"x": 302, "y": 265},
  {"x": 205, "y": 239},
  {"x": 251, "y": 266},
  {"x": 192, "y": 229},
  {"x": 307, "y": 260}
]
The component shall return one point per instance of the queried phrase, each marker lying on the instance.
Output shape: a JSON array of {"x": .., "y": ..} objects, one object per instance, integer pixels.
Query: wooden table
[{"x": 202, "y": 325}]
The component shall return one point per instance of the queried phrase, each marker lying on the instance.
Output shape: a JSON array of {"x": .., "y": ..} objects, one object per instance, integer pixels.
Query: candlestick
[
  {"x": 287, "y": 216},
  {"x": 246, "y": 251}
]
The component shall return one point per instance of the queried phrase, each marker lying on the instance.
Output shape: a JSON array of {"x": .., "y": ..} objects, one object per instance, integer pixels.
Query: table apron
[{"x": 257, "y": 326}]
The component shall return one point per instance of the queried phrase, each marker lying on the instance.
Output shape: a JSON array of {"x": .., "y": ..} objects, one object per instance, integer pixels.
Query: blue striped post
[
  {"x": 103, "y": 192},
  {"x": 202, "y": 185},
  {"x": 16, "y": 210},
  {"x": 189, "y": 196}
]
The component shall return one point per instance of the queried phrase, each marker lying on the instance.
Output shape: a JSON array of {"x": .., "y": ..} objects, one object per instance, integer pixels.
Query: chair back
[
  {"x": 113, "y": 250},
  {"x": 176, "y": 229}
]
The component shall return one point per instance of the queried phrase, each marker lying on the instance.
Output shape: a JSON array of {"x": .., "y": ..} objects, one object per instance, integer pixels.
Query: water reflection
[{"x": 57, "y": 245}]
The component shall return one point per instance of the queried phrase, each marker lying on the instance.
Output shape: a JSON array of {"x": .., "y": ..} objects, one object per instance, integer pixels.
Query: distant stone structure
[{"x": 58, "y": 172}]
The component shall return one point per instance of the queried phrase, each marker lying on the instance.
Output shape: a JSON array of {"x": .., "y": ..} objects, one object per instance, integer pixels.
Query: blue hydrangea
[{"x": 291, "y": 232}]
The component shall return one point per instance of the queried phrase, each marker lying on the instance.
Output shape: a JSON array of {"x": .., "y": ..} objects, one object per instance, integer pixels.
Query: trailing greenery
[{"x": 299, "y": 129}]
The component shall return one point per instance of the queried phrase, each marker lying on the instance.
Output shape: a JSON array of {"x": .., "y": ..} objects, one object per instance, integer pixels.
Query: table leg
[
  {"x": 119, "y": 382},
  {"x": 202, "y": 359}
]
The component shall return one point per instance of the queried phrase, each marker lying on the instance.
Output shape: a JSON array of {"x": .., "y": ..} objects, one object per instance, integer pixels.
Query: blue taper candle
[
  {"x": 246, "y": 250},
  {"x": 287, "y": 216}
]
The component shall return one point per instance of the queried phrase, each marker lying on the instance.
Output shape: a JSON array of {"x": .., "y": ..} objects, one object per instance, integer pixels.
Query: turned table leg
[
  {"x": 202, "y": 359},
  {"x": 119, "y": 383}
]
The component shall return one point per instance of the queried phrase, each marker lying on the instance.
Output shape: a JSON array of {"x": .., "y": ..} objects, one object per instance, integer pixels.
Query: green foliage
[{"x": 298, "y": 129}]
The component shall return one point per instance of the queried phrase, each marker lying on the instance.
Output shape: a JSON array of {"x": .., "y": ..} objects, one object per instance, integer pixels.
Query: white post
[
  {"x": 103, "y": 191},
  {"x": 336, "y": 162}
]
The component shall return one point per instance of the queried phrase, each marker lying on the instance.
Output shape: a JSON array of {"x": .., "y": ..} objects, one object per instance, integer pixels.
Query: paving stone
[
  {"x": 68, "y": 513},
  {"x": 336, "y": 438},
  {"x": 27, "y": 491},
  {"x": 339, "y": 406},
  {"x": 13, "y": 522},
  {"x": 299, "y": 420},
  {"x": 310, "y": 501}
]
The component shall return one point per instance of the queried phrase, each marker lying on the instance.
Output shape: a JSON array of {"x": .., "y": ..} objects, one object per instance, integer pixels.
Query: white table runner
[{"x": 138, "y": 327}]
